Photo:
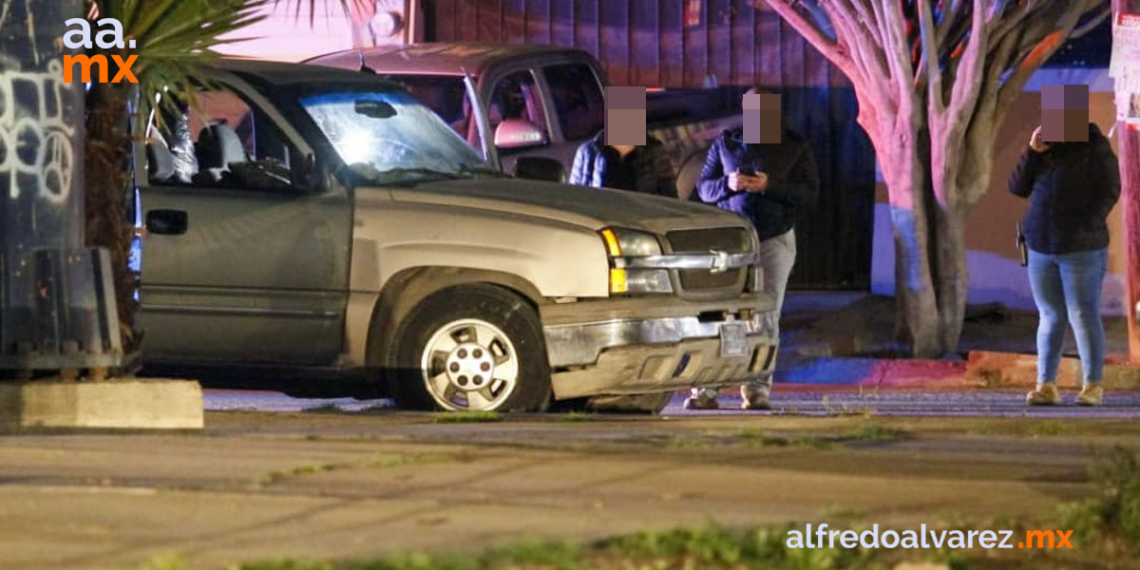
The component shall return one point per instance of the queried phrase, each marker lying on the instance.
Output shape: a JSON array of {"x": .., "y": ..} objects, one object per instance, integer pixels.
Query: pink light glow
[{"x": 283, "y": 36}]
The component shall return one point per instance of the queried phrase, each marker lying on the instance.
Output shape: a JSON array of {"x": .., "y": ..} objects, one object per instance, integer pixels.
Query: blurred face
[
  {"x": 1065, "y": 113},
  {"x": 625, "y": 116},
  {"x": 763, "y": 122}
]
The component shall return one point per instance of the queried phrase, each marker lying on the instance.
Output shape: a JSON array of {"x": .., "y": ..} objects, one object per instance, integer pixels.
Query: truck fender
[{"x": 407, "y": 289}]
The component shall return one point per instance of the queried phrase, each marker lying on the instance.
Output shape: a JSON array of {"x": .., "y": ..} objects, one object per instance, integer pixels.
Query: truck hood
[{"x": 591, "y": 208}]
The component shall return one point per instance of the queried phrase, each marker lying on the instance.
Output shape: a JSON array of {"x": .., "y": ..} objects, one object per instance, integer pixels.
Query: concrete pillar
[{"x": 56, "y": 303}]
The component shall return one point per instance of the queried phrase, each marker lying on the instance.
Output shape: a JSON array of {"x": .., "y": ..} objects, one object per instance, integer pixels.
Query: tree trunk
[
  {"x": 905, "y": 171},
  {"x": 108, "y": 183},
  {"x": 952, "y": 283}
]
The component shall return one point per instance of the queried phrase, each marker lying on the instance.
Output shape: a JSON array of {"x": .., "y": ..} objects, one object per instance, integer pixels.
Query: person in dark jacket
[
  {"x": 644, "y": 169},
  {"x": 1071, "y": 187},
  {"x": 768, "y": 184}
]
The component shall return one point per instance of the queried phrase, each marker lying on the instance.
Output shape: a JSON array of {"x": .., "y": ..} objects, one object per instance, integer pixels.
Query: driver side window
[
  {"x": 516, "y": 96},
  {"x": 222, "y": 143}
]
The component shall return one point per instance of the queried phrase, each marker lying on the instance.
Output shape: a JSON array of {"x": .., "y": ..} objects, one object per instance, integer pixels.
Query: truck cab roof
[{"x": 445, "y": 58}]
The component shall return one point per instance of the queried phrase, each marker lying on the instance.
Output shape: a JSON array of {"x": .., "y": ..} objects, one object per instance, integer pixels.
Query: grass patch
[
  {"x": 1111, "y": 518},
  {"x": 574, "y": 417},
  {"x": 756, "y": 438},
  {"x": 1048, "y": 428},
  {"x": 872, "y": 431},
  {"x": 707, "y": 547},
  {"x": 467, "y": 417},
  {"x": 384, "y": 460}
]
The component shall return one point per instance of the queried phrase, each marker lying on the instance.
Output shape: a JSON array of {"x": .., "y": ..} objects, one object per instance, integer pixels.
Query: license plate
[{"x": 733, "y": 340}]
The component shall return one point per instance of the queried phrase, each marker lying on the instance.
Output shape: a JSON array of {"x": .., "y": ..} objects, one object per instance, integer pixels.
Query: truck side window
[
  {"x": 578, "y": 100},
  {"x": 234, "y": 146},
  {"x": 516, "y": 96}
]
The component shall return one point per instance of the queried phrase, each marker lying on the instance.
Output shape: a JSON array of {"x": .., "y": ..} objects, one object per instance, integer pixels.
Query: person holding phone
[
  {"x": 1072, "y": 187},
  {"x": 769, "y": 183}
]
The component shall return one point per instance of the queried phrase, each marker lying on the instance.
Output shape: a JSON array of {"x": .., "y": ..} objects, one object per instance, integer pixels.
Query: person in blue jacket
[{"x": 769, "y": 184}]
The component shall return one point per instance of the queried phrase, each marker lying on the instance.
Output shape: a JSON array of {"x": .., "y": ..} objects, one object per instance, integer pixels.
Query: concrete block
[
  {"x": 116, "y": 404},
  {"x": 1010, "y": 370}
]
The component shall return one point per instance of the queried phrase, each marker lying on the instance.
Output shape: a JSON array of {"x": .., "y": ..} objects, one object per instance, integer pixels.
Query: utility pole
[
  {"x": 1128, "y": 144},
  {"x": 57, "y": 307}
]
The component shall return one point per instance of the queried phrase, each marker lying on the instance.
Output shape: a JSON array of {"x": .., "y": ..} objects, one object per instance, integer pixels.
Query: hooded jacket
[
  {"x": 793, "y": 180},
  {"x": 652, "y": 171},
  {"x": 1072, "y": 187}
]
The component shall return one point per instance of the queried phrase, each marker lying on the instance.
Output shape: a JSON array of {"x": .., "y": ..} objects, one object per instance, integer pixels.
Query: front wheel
[{"x": 472, "y": 348}]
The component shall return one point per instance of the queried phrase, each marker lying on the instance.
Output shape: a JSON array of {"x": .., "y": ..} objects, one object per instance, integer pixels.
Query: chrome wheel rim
[{"x": 470, "y": 365}]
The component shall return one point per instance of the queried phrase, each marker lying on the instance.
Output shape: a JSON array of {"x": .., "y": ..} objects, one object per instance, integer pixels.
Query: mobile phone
[{"x": 746, "y": 171}]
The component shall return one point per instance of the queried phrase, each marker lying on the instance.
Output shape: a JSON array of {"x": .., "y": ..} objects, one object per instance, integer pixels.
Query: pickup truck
[
  {"x": 512, "y": 101},
  {"x": 324, "y": 219}
]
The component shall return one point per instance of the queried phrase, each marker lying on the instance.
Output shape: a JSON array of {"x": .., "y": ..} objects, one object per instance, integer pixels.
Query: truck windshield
[{"x": 389, "y": 137}]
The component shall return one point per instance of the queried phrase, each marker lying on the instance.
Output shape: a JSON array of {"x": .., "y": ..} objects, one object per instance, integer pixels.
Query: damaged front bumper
[{"x": 643, "y": 346}]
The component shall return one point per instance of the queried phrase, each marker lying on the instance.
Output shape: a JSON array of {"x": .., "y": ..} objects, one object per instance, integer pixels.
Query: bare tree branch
[
  {"x": 1092, "y": 24},
  {"x": 1050, "y": 34},
  {"x": 930, "y": 50},
  {"x": 831, "y": 50}
]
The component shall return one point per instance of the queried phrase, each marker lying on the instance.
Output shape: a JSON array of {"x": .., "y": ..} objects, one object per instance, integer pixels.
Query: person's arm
[
  {"x": 1108, "y": 172},
  {"x": 1025, "y": 173},
  {"x": 580, "y": 171},
  {"x": 712, "y": 186},
  {"x": 801, "y": 187}
]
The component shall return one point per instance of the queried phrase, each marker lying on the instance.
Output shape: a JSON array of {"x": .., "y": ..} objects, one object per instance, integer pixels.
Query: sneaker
[
  {"x": 754, "y": 399},
  {"x": 1045, "y": 395},
  {"x": 701, "y": 402},
  {"x": 1092, "y": 394}
]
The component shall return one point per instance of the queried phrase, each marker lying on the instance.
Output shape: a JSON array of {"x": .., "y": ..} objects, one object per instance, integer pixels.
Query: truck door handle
[{"x": 166, "y": 222}]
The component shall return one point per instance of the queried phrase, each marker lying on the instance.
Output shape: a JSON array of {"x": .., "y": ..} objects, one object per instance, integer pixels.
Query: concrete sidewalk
[{"x": 325, "y": 486}]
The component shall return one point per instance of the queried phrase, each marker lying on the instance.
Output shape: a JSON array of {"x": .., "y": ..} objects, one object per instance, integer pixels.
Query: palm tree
[{"x": 174, "y": 39}]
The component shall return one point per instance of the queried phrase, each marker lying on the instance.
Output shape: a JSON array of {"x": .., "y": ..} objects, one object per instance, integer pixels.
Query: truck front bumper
[{"x": 643, "y": 346}]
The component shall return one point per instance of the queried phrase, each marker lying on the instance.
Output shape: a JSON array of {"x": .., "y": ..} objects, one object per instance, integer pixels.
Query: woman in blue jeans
[{"x": 1071, "y": 187}]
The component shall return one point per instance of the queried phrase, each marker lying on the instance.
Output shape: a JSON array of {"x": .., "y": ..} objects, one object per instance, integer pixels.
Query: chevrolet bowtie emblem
[{"x": 719, "y": 261}]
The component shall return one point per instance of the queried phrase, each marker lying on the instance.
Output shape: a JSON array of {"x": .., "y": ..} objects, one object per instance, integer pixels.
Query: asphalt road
[{"x": 965, "y": 403}]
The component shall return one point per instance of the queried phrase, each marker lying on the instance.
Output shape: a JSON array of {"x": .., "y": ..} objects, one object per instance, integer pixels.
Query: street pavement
[
  {"x": 794, "y": 400},
  {"x": 341, "y": 479}
]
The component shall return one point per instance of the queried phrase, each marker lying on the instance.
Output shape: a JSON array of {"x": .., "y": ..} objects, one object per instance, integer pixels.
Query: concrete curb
[
  {"x": 874, "y": 373},
  {"x": 986, "y": 369},
  {"x": 110, "y": 405}
]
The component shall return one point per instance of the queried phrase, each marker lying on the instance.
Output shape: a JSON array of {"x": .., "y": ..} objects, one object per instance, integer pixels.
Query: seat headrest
[
  {"x": 159, "y": 161},
  {"x": 218, "y": 146}
]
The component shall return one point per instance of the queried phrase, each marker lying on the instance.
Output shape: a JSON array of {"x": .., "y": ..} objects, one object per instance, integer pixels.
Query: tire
[
  {"x": 472, "y": 348},
  {"x": 651, "y": 404}
]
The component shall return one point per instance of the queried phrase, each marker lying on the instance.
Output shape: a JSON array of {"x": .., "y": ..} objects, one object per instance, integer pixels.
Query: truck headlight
[{"x": 629, "y": 243}]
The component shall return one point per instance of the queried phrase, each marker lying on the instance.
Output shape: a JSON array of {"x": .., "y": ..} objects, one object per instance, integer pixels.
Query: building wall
[{"x": 995, "y": 270}]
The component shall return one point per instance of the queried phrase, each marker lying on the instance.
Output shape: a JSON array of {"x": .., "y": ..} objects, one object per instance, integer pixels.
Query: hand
[
  {"x": 737, "y": 182},
  {"x": 740, "y": 182},
  {"x": 1037, "y": 143},
  {"x": 758, "y": 184}
]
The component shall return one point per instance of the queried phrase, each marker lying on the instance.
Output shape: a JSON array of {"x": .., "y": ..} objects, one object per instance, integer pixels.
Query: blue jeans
[{"x": 1066, "y": 289}]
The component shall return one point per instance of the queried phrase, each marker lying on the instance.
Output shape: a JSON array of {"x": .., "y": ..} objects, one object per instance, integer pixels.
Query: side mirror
[
  {"x": 540, "y": 168},
  {"x": 307, "y": 174},
  {"x": 518, "y": 133}
]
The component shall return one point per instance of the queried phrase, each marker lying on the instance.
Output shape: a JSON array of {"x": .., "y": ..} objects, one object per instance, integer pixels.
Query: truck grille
[{"x": 730, "y": 240}]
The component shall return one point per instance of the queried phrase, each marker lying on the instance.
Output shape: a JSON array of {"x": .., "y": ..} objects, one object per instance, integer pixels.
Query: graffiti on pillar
[{"x": 36, "y": 142}]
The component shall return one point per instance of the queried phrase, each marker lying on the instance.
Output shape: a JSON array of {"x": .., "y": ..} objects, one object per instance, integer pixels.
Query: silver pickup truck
[
  {"x": 514, "y": 102},
  {"x": 322, "y": 218}
]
